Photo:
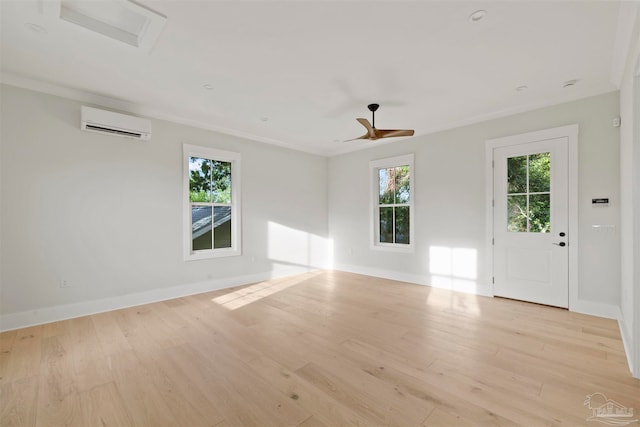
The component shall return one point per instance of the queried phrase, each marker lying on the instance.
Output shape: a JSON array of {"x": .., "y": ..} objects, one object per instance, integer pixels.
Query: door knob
[{"x": 561, "y": 244}]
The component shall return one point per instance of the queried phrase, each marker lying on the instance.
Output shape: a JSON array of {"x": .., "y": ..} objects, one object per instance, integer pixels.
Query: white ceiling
[{"x": 299, "y": 73}]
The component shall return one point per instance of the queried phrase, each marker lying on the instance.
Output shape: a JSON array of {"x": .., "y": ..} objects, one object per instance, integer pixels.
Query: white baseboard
[
  {"x": 599, "y": 309},
  {"x": 627, "y": 341},
  {"x": 458, "y": 285},
  {"x": 68, "y": 311}
]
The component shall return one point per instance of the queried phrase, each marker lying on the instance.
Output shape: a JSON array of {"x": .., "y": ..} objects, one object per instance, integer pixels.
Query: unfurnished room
[{"x": 319, "y": 213}]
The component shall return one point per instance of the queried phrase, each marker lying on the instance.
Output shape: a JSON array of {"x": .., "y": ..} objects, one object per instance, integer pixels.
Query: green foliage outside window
[{"x": 209, "y": 181}]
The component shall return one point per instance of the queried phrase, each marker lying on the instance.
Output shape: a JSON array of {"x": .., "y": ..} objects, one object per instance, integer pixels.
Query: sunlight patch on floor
[{"x": 256, "y": 292}]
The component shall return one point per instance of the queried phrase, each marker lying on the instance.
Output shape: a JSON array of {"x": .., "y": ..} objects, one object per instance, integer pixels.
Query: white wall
[
  {"x": 450, "y": 201},
  {"x": 105, "y": 213},
  {"x": 630, "y": 195}
]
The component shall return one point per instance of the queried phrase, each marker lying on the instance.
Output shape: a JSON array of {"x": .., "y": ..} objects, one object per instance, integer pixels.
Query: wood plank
[
  {"x": 410, "y": 379},
  {"x": 103, "y": 406},
  {"x": 440, "y": 418},
  {"x": 186, "y": 402},
  {"x": 89, "y": 363},
  {"x": 144, "y": 403},
  {"x": 24, "y": 355},
  {"x": 314, "y": 400},
  {"x": 7, "y": 340},
  {"x": 19, "y": 402},
  {"x": 371, "y": 403},
  {"x": 58, "y": 398},
  {"x": 312, "y": 422},
  {"x": 112, "y": 338}
]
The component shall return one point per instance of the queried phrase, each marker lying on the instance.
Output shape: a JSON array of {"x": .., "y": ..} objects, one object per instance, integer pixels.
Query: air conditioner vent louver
[
  {"x": 116, "y": 131},
  {"x": 103, "y": 121}
]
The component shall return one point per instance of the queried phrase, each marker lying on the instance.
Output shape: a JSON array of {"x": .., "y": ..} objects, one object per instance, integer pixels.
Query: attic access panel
[{"x": 121, "y": 20}]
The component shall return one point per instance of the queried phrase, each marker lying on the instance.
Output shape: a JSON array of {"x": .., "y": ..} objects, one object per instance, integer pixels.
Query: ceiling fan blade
[
  {"x": 371, "y": 131},
  {"x": 391, "y": 133},
  {"x": 365, "y": 136}
]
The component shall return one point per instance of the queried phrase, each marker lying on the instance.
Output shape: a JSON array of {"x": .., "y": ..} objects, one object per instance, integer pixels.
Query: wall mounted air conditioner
[{"x": 103, "y": 121}]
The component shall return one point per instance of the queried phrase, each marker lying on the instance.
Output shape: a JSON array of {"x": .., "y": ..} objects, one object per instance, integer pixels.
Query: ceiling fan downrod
[{"x": 373, "y": 108}]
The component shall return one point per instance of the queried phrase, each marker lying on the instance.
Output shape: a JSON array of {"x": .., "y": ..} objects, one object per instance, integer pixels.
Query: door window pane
[
  {"x": 517, "y": 174},
  {"x": 540, "y": 213},
  {"x": 201, "y": 230},
  {"x": 517, "y": 213},
  {"x": 539, "y": 173}
]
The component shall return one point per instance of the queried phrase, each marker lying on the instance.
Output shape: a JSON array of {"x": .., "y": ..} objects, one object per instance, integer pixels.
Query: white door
[{"x": 530, "y": 214}]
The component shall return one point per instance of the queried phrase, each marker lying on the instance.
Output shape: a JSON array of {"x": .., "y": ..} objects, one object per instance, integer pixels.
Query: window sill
[
  {"x": 408, "y": 249},
  {"x": 210, "y": 254}
]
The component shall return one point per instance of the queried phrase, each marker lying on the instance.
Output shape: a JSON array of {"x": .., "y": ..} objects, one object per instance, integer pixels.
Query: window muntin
[
  {"x": 212, "y": 203},
  {"x": 393, "y": 203}
]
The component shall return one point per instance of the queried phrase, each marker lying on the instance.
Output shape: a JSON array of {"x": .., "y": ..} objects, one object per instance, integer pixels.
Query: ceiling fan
[{"x": 373, "y": 133}]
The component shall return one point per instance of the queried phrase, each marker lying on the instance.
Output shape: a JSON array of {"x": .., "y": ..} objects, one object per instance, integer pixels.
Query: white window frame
[
  {"x": 374, "y": 168},
  {"x": 236, "y": 202}
]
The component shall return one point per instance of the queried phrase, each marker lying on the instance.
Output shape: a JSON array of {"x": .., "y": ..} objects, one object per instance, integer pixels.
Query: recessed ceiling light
[
  {"x": 570, "y": 83},
  {"x": 522, "y": 88},
  {"x": 478, "y": 15},
  {"x": 35, "y": 27},
  {"x": 207, "y": 86}
]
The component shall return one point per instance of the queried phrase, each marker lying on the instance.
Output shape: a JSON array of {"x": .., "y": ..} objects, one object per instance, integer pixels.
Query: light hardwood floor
[{"x": 320, "y": 349}]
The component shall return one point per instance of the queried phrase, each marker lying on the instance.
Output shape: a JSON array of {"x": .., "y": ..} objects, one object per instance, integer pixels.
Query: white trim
[
  {"x": 627, "y": 342},
  {"x": 189, "y": 150},
  {"x": 374, "y": 166},
  {"x": 594, "y": 308},
  {"x": 416, "y": 279},
  {"x": 571, "y": 133},
  {"x": 40, "y": 316},
  {"x": 633, "y": 353}
]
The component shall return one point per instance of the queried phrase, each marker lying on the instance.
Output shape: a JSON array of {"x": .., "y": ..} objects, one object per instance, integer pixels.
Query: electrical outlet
[
  {"x": 64, "y": 283},
  {"x": 616, "y": 122}
]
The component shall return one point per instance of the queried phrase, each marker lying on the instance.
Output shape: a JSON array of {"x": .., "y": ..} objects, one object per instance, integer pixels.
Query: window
[
  {"x": 529, "y": 193},
  {"x": 392, "y": 203},
  {"x": 211, "y": 203}
]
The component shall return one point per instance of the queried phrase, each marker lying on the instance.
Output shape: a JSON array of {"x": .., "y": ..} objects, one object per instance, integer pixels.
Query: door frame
[
  {"x": 571, "y": 133},
  {"x": 635, "y": 327}
]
